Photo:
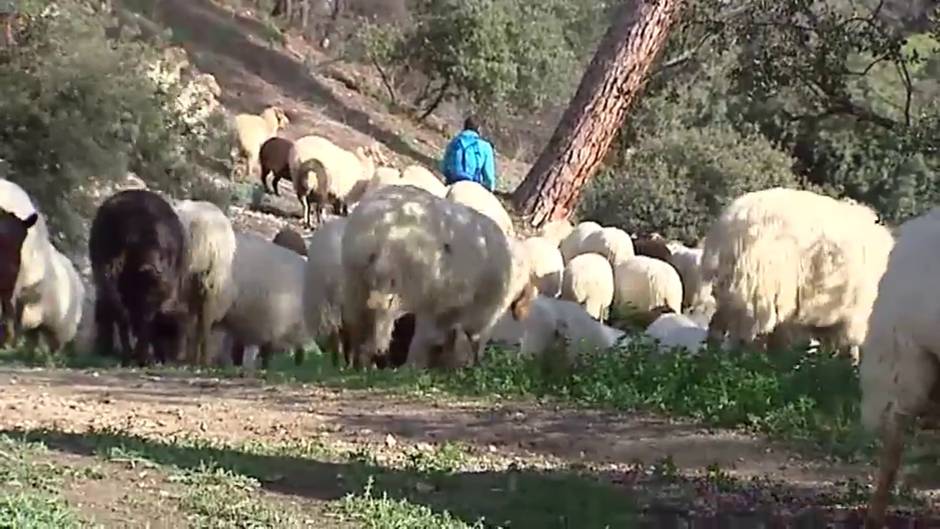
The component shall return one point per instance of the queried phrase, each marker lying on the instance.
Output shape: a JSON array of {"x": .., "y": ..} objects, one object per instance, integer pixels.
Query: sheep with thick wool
[
  {"x": 477, "y": 197},
  {"x": 556, "y": 231},
  {"x": 34, "y": 255},
  {"x": 571, "y": 245},
  {"x": 421, "y": 177},
  {"x": 322, "y": 171},
  {"x": 900, "y": 364},
  {"x": 555, "y": 323},
  {"x": 268, "y": 307},
  {"x": 646, "y": 283},
  {"x": 787, "y": 256},
  {"x": 275, "y": 158},
  {"x": 588, "y": 280},
  {"x": 211, "y": 288},
  {"x": 613, "y": 243},
  {"x": 323, "y": 286},
  {"x": 678, "y": 330},
  {"x": 58, "y": 311},
  {"x": 406, "y": 250},
  {"x": 548, "y": 267},
  {"x": 253, "y": 130},
  {"x": 688, "y": 262}
]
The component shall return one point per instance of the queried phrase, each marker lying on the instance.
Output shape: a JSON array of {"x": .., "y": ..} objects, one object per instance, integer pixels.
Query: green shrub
[
  {"x": 677, "y": 182},
  {"x": 78, "y": 111}
]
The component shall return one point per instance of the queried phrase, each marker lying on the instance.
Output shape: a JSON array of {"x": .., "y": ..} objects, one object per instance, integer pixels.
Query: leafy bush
[
  {"x": 677, "y": 183},
  {"x": 78, "y": 111}
]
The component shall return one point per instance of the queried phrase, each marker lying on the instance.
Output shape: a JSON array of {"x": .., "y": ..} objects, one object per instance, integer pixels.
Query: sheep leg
[
  {"x": 142, "y": 347},
  {"x": 299, "y": 355},
  {"x": 237, "y": 352},
  {"x": 104, "y": 329},
  {"x": 264, "y": 179},
  {"x": 8, "y": 324},
  {"x": 305, "y": 204},
  {"x": 892, "y": 446},
  {"x": 266, "y": 352},
  {"x": 125, "y": 337},
  {"x": 278, "y": 176}
]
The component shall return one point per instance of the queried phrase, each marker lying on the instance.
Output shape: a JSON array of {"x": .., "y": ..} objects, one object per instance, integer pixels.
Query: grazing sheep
[
  {"x": 323, "y": 171},
  {"x": 211, "y": 292},
  {"x": 571, "y": 245},
  {"x": 687, "y": 261},
  {"x": 899, "y": 366},
  {"x": 552, "y": 322},
  {"x": 654, "y": 247},
  {"x": 253, "y": 130},
  {"x": 420, "y": 177},
  {"x": 406, "y": 250},
  {"x": 790, "y": 256},
  {"x": 268, "y": 306},
  {"x": 477, "y": 197},
  {"x": 678, "y": 330},
  {"x": 275, "y": 158},
  {"x": 59, "y": 310},
  {"x": 25, "y": 240},
  {"x": 646, "y": 283},
  {"x": 288, "y": 238},
  {"x": 547, "y": 265},
  {"x": 138, "y": 253},
  {"x": 556, "y": 231},
  {"x": 613, "y": 243},
  {"x": 588, "y": 280}
]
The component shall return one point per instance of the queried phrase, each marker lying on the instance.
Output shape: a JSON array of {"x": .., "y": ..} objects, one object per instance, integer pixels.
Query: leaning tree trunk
[{"x": 612, "y": 82}]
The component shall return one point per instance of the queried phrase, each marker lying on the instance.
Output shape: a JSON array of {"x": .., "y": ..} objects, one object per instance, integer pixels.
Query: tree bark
[{"x": 614, "y": 79}]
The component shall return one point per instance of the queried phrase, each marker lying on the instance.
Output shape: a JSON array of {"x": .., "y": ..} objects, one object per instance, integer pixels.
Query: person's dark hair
[{"x": 471, "y": 124}]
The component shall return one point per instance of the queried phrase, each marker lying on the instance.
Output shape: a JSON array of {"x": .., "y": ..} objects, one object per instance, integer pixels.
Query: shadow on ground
[{"x": 517, "y": 498}]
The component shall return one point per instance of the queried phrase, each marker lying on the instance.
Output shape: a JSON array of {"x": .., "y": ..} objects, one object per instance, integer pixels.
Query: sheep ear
[{"x": 31, "y": 220}]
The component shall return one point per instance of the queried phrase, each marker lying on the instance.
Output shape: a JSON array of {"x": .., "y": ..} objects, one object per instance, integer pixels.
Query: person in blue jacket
[{"x": 470, "y": 157}]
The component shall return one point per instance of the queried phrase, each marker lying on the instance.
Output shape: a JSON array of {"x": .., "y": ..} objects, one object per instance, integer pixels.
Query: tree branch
[{"x": 683, "y": 57}]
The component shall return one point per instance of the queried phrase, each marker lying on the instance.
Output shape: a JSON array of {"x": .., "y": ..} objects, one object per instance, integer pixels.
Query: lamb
[
  {"x": 547, "y": 265},
  {"x": 212, "y": 290},
  {"x": 290, "y": 239},
  {"x": 406, "y": 250},
  {"x": 477, "y": 197},
  {"x": 613, "y": 243},
  {"x": 677, "y": 330},
  {"x": 588, "y": 280},
  {"x": 138, "y": 253},
  {"x": 646, "y": 283},
  {"x": 268, "y": 308},
  {"x": 556, "y": 231},
  {"x": 275, "y": 156},
  {"x": 253, "y": 130},
  {"x": 899, "y": 366},
  {"x": 571, "y": 245},
  {"x": 786, "y": 256},
  {"x": 26, "y": 245},
  {"x": 59, "y": 310},
  {"x": 420, "y": 177},
  {"x": 552, "y": 322}
]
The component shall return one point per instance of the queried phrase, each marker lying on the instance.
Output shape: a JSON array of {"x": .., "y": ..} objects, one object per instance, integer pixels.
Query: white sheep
[
  {"x": 556, "y": 231},
  {"x": 34, "y": 255},
  {"x": 326, "y": 172},
  {"x": 406, "y": 250},
  {"x": 211, "y": 288},
  {"x": 787, "y": 256},
  {"x": 900, "y": 354},
  {"x": 613, "y": 243},
  {"x": 421, "y": 177},
  {"x": 555, "y": 323},
  {"x": 571, "y": 245},
  {"x": 647, "y": 283},
  {"x": 588, "y": 280},
  {"x": 687, "y": 262},
  {"x": 253, "y": 130},
  {"x": 58, "y": 311},
  {"x": 678, "y": 330},
  {"x": 268, "y": 306},
  {"x": 323, "y": 285},
  {"x": 548, "y": 267},
  {"x": 477, "y": 197}
]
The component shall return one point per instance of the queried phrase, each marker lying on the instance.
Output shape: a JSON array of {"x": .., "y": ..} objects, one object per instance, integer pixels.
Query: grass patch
[
  {"x": 29, "y": 490},
  {"x": 384, "y": 512},
  {"x": 33, "y": 510}
]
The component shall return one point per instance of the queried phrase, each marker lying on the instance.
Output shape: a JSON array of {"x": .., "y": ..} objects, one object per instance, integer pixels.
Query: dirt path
[{"x": 248, "y": 410}]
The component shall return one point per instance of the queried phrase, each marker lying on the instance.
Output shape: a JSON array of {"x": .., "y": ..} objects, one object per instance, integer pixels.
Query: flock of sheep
[{"x": 416, "y": 272}]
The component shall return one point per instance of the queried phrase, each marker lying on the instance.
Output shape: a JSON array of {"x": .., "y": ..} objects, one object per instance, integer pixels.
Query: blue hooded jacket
[{"x": 480, "y": 165}]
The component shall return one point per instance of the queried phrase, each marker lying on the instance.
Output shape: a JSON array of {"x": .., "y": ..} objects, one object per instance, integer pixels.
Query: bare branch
[{"x": 683, "y": 57}]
